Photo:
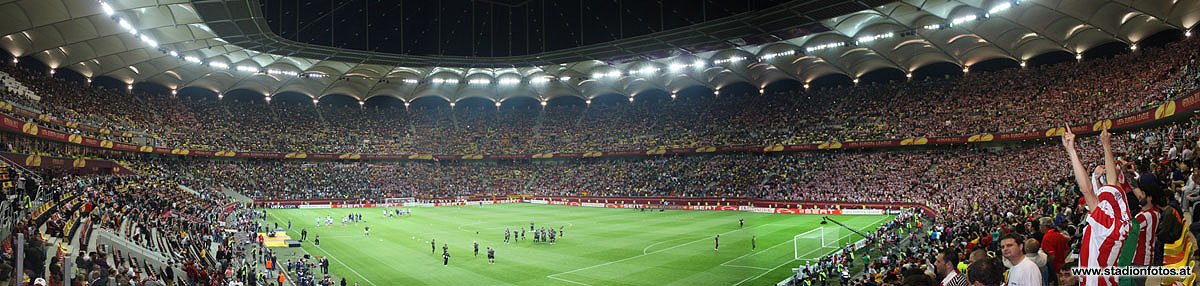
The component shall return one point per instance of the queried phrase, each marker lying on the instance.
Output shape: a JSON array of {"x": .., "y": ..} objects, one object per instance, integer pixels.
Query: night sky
[{"x": 486, "y": 28}]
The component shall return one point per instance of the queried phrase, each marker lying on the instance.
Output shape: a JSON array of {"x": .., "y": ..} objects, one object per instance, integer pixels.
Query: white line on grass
[
  {"x": 805, "y": 254},
  {"x": 460, "y": 227},
  {"x": 751, "y": 267},
  {"x": 338, "y": 261},
  {"x": 637, "y": 256},
  {"x": 647, "y": 249},
  {"x": 758, "y": 252},
  {"x": 565, "y": 280}
]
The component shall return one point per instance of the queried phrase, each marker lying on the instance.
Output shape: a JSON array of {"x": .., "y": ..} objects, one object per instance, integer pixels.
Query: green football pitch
[{"x": 598, "y": 246}]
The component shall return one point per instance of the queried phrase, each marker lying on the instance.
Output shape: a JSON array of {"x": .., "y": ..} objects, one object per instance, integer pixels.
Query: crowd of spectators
[
  {"x": 982, "y": 231},
  {"x": 1011, "y": 100}
]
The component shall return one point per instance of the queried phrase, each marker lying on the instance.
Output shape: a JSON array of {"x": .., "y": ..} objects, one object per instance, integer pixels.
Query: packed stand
[{"x": 1012, "y": 100}]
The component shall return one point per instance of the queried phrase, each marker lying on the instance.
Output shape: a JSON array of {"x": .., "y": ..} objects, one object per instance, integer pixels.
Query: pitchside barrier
[
  {"x": 816, "y": 211},
  {"x": 741, "y": 204},
  {"x": 702, "y": 204},
  {"x": 344, "y": 205}
]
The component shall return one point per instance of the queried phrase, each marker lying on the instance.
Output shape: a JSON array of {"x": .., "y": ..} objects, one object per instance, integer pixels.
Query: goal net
[{"x": 817, "y": 242}]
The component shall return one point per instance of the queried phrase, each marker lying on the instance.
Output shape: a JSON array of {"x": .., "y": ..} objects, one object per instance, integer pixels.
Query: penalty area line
[
  {"x": 568, "y": 281},
  {"x": 805, "y": 254}
]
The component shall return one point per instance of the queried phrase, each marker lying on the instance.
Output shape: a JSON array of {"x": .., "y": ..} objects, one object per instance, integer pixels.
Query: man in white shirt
[
  {"x": 1033, "y": 252},
  {"x": 1190, "y": 192},
  {"x": 1024, "y": 271}
]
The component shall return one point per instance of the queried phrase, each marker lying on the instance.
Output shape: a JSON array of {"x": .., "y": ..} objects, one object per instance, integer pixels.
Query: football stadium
[{"x": 549, "y": 142}]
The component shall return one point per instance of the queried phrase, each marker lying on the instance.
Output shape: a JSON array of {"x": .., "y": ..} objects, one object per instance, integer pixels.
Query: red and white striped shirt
[
  {"x": 1107, "y": 227},
  {"x": 1148, "y": 225}
]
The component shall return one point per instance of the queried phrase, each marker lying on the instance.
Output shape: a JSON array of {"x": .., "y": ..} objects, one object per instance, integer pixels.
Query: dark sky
[{"x": 486, "y": 28}]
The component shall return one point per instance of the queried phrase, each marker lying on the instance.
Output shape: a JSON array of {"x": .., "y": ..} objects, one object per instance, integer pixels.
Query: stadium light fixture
[
  {"x": 51, "y": 71},
  {"x": 872, "y": 38},
  {"x": 631, "y": 99},
  {"x": 966, "y": 69},
  {"x": 672, "y": 95},
  {"x": 964, "y": 19},
  {"x": 281, "y": 72},
  {"x": 731, "y": 59},
  {"x": 544, "y": 103},
  {"x": 1187, "y": 33},
  {"x": 698, "y": 64},
  {"x": 89, "y": 80},
  {"x": 648, "y": 70},
  {"x": 762, "y": 91},
  {"x": 406, "y": 104},
  {"x": 825, "y": 46},
  {"x": 219, "y": 65},
  {"x": 564, "y": 78},
  {"x": 149, "y": 41},
  {"x": 480, "y": 81},
  {"x": 108, "y": 10},
  {"x": 511, "y": 81},
  {"x": 129, "y": 86},
  {"x": 588, "y": 102},
  {"x": 249, "y": 69},
  {"x": 1078, "y": 56},
  {"x": 15, "y": 61},
  {"x": 315, "y": 101},
  {"x": 806, "y": 86},
  {"x": 933, "y": 26},
  {"x": 1022, "y": 64},
  {"x": 1000, "y": 7},
  {"x": 174, "y": 92},
  {"x": 267, "y": 98},
  {"x": 497, "y": 104},
  {"x": 536, "y": 80},
  {"x": 192, "y": 59},
  {"x": 779, "y": 54},
  {"x": 173, "y": 53},
  {"x": 220, "y": 96},
  {"x": 410, "y": 81},
  {"x": 451, "y": 104},
  {"x": 855, "y": 81},
  {"x": 1133, "y": 47},
  {"x": 908, "y": 75},
  {"x": 674, "y": 67},
  {"x": 360, "y": 103}
]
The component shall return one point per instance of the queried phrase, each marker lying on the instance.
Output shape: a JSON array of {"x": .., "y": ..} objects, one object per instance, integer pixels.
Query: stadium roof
[{"x": 224, "y": 46}]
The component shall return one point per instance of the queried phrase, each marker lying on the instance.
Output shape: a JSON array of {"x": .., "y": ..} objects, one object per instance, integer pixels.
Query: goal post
[{"x": 804, "y": 245}]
